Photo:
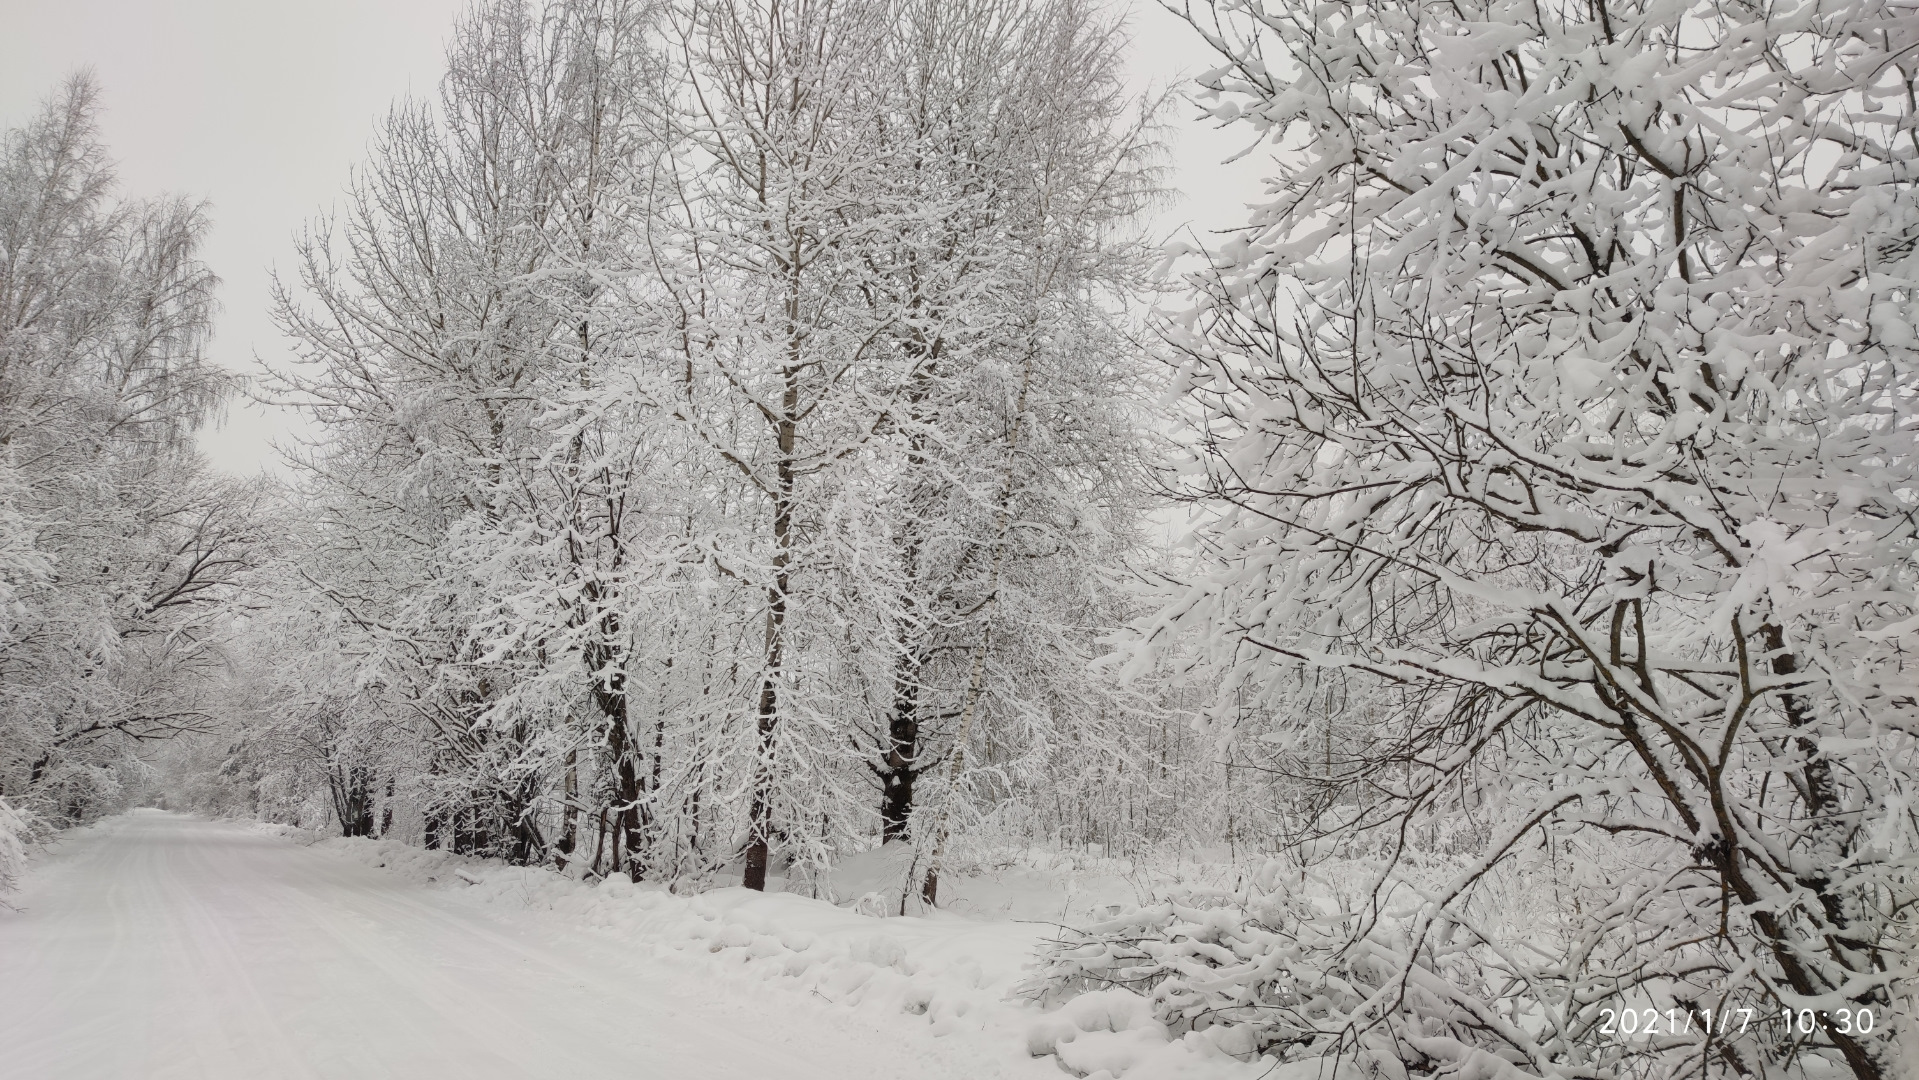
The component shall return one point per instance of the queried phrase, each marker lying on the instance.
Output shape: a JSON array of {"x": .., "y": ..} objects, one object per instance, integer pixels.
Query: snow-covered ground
[{"x": 159, "y": 945}]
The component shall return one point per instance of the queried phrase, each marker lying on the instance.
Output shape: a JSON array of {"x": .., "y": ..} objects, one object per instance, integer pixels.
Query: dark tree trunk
[
  {"x": 627, "y": 838},
  {"x": 900, "y": 768},
  {"x": 786, "y": 431},
  {"x": 609, "y": 691},
  {"x": 466, "y": 835},
  {"x": 693, "y": 819},
  {"x": 353, "y": 801},
  {"x": 760, "y": 816},
  {"x": 571, "y": 815},
  {"x": 527, "y": 845}
]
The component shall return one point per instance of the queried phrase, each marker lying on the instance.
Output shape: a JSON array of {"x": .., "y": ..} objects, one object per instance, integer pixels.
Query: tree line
[{"x": 733, "y": 434}]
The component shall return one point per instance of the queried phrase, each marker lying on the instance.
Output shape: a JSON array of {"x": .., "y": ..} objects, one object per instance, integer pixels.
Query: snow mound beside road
[{"x": 957, "y": 972}]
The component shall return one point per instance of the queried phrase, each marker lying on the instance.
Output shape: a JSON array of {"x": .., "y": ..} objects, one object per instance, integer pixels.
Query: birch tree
[
  {"x": 1029, "y": 160},
  {"x": 117, "y": 546}
]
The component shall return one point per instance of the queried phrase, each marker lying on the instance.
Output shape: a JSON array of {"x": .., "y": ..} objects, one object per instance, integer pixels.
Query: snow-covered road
[{"x": 158, "y": 945}]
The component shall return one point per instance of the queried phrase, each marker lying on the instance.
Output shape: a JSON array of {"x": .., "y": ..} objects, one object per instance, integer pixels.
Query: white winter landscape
[{"x": 898, "y": 539}]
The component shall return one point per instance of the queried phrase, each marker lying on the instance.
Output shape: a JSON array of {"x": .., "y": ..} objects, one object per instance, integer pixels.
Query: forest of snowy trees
[{"x": 741, "y": 434}]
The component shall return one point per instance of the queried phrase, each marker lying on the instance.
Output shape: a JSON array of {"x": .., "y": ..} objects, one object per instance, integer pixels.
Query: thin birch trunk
[{"x": 956, "y": 762}]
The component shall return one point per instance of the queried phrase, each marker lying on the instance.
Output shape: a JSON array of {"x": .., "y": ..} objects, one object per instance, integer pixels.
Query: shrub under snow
[
  {"x": 17, "y": 830},
  {"x": 1269, "y": 971}
]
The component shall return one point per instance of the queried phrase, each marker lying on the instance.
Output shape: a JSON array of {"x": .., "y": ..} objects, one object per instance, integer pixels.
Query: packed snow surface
[{"x": 158, "y": 945}]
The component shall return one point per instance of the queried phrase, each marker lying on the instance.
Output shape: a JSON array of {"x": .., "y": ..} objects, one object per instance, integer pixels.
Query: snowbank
[{"x": 958, "y": 972}]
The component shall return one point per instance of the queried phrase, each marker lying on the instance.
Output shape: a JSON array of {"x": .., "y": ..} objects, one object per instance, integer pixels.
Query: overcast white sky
[{"x": 261, "y": 107}]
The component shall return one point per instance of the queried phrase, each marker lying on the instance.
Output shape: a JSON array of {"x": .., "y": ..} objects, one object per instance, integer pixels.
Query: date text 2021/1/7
[{"x": 1649, "y": 1022}]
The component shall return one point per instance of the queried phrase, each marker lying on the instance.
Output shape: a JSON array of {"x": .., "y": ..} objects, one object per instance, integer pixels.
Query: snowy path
[{"x": 158, "y": 945}]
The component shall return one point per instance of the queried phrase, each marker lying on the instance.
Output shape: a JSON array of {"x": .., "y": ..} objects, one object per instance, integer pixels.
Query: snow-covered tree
[
  {"x": 780, "y": 373},
  {"x": 1559, "y": 400},
  {"x": 885, "y": 275},
  {"x": 1006, "y": 484},
  {"x": 436, "y": 343},
  {"x": 117, "y": 545}
]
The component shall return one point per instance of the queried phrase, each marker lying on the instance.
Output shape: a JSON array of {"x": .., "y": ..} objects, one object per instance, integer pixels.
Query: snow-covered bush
[
  {"x": 1268, "y": 970},
  {"x": 18, "y": 829}
]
